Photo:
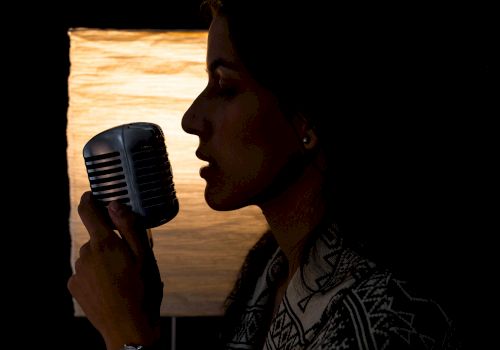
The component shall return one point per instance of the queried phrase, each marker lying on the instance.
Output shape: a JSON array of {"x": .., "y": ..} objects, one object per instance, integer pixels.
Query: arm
[{"x": 116, "y": 280}]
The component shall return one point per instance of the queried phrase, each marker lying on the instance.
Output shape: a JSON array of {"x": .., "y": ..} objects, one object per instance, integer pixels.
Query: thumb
[{"x": 130, "y": 228}]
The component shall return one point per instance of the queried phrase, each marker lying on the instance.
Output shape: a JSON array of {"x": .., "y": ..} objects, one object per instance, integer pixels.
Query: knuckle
[
  {"x": 71, "y": 284},
  {"x": 84, "y": 249},
  {"x": 78, "y": 265},
  {"x": 84, "y": 199},
  {"x": 85, "y": 202}
]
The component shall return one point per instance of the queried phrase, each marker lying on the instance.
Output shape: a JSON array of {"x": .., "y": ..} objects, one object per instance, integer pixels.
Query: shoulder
[{"x": 383, "y": 312}]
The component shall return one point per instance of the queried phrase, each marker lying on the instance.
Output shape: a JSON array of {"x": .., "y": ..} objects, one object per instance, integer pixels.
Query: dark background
[{"x": 442, "y": 225}]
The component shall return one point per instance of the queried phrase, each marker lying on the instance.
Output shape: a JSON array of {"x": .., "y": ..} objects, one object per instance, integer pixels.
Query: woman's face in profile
[{"x": 244, "y": 136}]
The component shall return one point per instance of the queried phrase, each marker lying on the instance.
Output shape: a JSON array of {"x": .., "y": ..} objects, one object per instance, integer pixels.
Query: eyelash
[{"x": 223, "y": 89}]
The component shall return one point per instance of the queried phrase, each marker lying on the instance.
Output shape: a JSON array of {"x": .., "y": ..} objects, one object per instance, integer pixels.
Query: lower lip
[{"x": 207, "y": 171}]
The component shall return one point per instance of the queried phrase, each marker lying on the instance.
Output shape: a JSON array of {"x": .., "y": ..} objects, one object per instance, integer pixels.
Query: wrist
[
  {"x": 151, "y": 341},
  {"x": 155, "y": 346}
]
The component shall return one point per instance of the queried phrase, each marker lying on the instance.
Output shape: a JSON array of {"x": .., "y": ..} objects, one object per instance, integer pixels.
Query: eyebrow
[{"x": 221, "y": 62}]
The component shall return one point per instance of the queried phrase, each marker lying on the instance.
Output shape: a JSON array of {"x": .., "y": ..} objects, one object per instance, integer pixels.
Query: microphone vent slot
[
  {"x": 154, "y": 176},
  {"x": 106, "y": 177}
]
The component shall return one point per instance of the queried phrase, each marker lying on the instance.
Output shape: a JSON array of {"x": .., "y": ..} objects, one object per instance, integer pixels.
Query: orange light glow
[{"x": 118, "y": 77}]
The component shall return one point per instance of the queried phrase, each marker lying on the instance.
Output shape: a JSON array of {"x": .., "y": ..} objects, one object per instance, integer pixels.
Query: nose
[{"x": 193, "y": 121}]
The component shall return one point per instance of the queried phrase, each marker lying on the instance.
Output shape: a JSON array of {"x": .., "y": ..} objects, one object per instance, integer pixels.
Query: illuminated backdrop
[{"x": 120, "y": 76}]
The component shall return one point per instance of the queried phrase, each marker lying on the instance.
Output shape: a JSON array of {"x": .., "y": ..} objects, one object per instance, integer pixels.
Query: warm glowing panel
[{"x": 153, "y": 76}]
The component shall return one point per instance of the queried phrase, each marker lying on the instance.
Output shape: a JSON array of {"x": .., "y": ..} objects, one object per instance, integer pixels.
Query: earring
[{"x": 306, "y": 139}]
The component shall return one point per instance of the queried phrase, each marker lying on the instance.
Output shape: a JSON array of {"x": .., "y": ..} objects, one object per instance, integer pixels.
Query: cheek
[
  {"x": 257, "y": 140},
  {"x": 253, "y": 142},
  {"x": 262, "y": 123}
]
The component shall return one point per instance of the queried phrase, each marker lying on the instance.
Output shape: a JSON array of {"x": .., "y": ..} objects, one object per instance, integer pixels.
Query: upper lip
[{"x": 203, "y": 156}]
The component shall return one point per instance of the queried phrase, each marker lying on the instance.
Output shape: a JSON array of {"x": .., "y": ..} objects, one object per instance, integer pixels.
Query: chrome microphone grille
[
  {"x": 107, "y": 178},
  {"x": 129, "y": 163}
]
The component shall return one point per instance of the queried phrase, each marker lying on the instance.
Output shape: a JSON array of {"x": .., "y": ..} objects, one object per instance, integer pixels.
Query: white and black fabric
[{"x": 339, "y": 300}]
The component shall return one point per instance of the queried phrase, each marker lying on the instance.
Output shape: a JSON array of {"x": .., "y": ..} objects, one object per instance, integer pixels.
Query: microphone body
[{"x": 129, "y": 163}]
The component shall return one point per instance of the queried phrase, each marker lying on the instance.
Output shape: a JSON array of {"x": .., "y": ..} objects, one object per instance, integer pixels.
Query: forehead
[{"x": 219, "y": 44}]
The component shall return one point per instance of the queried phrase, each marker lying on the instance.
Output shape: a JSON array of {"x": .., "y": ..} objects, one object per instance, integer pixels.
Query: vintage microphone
[{"x": 129, "y": 163}]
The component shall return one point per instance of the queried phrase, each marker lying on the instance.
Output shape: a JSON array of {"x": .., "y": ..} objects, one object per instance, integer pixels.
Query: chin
[{"x": 223, "y": 203}]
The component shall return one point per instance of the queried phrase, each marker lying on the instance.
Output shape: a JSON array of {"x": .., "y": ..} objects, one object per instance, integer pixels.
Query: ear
[{"x": 305, "y": 131}]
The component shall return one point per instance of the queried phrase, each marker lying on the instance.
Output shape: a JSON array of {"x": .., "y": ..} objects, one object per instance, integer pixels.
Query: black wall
[
  {"x": 442, "y": 225},
  {"x": 37, "y": 190}
]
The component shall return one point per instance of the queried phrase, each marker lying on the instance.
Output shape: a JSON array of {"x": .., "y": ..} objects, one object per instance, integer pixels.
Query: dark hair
[
  {"x": 351, "y": 71},
  {"x": 368, "y": 78}
]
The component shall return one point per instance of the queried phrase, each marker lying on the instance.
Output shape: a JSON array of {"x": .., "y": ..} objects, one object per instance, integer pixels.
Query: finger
[
  {"x": 71, "y": 285},
  {"x": 150, "y": 237},
  {"x": 128, "y": 224},
  {"x": 78, "y": 264},
  {"x": 84, "y": 251},
  {"x": 94, "y": 218}
]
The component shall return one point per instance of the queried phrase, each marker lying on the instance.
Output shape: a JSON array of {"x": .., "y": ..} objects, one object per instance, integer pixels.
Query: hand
[{"x": 117, "y": 282}]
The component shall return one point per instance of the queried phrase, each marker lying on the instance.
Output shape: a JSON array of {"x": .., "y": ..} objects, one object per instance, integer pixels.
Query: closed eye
[
  {"x": 227, "y": 91},
  {"x": 226, "y": 88}
]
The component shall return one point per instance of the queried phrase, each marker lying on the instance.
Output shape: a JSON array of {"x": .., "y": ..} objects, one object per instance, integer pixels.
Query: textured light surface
[{"x": 119, "y": 77}]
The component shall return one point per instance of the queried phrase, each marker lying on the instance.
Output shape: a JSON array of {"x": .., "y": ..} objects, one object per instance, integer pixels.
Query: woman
[{"x": 274, "y": 137}]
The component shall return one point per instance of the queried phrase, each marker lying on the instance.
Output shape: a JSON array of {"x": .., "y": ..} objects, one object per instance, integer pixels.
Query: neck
[{"x": 295, "y": 212}]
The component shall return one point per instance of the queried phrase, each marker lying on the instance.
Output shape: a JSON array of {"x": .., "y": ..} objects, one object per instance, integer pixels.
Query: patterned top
[{"x": 340, "y": 300}]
